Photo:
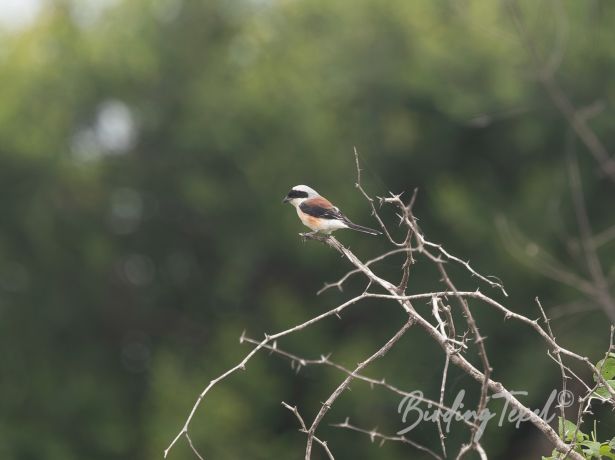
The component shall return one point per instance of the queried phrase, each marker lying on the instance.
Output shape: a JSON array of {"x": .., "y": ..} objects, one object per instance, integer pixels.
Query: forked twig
[{"x": 455, "y": 348}]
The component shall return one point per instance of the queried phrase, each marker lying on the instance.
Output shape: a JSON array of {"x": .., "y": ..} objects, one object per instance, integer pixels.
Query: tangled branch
[{"x": 442, "y": 329}]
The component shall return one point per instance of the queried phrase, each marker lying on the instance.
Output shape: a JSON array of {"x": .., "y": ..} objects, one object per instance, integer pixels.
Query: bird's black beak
[{"x": 286, "y": 199}]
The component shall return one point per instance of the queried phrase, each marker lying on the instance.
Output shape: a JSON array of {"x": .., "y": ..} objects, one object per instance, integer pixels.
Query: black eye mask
[{"x": 296, "y": 194}]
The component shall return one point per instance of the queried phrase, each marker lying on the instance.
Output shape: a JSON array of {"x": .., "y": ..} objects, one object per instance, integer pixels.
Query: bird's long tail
[{"x": 360, "y": 228}]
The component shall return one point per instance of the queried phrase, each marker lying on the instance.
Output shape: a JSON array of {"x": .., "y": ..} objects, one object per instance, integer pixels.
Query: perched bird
[{"x": 318, "y": 213}]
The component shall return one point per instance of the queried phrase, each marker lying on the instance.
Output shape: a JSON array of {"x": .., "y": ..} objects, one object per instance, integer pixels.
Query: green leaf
[
  {"x": 591, "y": 448},
  {"x": 607, "y": 367},
  {"x": 603, "y": 392},
  {"x": 605, "y": 451},
  {"x": 554, "y": 455},
  {"x": 567, "y": 430}
]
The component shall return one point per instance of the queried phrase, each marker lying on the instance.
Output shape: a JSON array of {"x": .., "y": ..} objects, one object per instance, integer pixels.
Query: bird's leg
[
  {"x": 308, "y": 235},
  {"x": 315, "y": 235}
]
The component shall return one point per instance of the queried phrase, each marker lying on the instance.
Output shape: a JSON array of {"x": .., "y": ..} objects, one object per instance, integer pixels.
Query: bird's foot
[
  {"x": 307, "y": 235},
  {"x": 315, "y": 235}
]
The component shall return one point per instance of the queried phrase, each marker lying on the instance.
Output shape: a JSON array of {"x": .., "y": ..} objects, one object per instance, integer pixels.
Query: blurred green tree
[{"x": 145, "y": 146}]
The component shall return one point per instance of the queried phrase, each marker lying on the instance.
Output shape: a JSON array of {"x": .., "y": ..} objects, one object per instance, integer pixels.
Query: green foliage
[
  {"x": 584, "y": 444},
  {"x": 570, "y": 432},
  {"x": 607, "y": 367},
  {"x": 607, "y": 370}
]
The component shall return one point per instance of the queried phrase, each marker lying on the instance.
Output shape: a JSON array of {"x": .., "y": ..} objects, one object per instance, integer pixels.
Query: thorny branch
[
  {"x": 298, "y": 362},
  {"x": 304, "y": 429},
  {"x": 342, "y": 386},
  {"x": 597, "y": 286},
  {"x": 455, "y": 346},
  {"x": 374, "y": 435}
]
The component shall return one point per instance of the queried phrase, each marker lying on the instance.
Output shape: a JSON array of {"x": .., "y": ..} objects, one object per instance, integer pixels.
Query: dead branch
[
  {"x": 454, "y": 347},
  {"x": 374, "y": 434}
]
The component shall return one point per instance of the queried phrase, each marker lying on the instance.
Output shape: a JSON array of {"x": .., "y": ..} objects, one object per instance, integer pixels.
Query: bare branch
[
  {"x": 443, "y": 333},
  {"x": 374, "y": 434},
  {"x": 304, "y": 429},
  {"x": 371, "y": 203},
  {"x": 297, "y": 362},
  {"x": 244, "y": 361},
  {"x": 339, "y": 284},
  {"x": 342, "y": 386},
  {"x": 442, "y": 388},
  {"x": 196, "y": 452}
]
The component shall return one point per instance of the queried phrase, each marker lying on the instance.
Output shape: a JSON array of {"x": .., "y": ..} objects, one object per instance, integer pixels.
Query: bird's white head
[{"x": 298, "y": 194}]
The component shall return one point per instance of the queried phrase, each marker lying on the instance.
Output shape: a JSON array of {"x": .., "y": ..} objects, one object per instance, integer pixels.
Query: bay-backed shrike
[{"x": 318, "y": 213}]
